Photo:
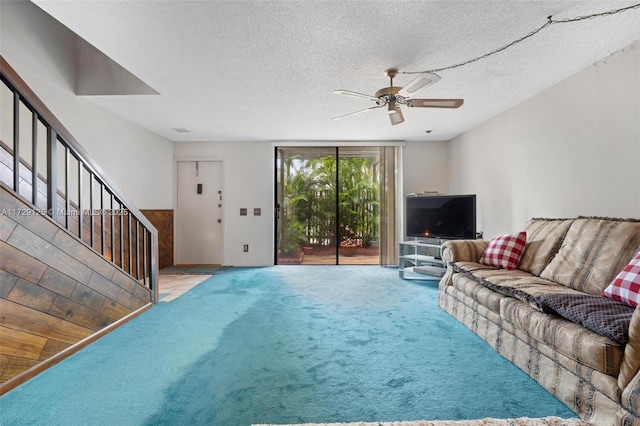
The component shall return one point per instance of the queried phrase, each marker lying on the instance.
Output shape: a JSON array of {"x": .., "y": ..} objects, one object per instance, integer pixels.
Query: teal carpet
[{"x": 285, "y": 344}]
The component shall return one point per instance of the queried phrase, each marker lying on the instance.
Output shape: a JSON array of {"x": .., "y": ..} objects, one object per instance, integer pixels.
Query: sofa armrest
[
  {"x": 629, "y": 377},
  {"x": 460, "y": 251},
  {"x": 463, "y": 250}
]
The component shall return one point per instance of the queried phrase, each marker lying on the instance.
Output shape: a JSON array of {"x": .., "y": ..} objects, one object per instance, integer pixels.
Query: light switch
[
  {"x": 257, "y": 211},
  {"x": 243, "y": 212}
]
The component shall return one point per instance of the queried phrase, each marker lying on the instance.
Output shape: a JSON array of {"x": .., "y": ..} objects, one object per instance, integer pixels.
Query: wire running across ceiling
[{"x": 550, "y": 21}]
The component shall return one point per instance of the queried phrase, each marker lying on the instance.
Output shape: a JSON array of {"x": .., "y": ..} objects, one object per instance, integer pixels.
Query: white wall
[
  {"x": 248, "y": 183},
  {"x": 139, "y": 162},
  {"x": 571, "y": 150},
  {"x": 425, "y": 167}
]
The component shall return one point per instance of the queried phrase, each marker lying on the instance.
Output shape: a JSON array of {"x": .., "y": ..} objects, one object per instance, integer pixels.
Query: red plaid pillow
[
  {"x": 625, "y": 287},
  {"x": 505, "y": 251}
]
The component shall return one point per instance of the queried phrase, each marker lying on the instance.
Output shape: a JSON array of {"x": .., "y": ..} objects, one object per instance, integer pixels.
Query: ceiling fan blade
[
  {"x": 396, "y": 117},
  {"x": 418, "y": 83},
  {"x": 358, "y": 112},
  {"x": 355, "y": 94},
  {"x": 435, "y": 103}
]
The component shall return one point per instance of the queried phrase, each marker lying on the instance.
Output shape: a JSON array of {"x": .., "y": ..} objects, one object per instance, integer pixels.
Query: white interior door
[{"x": 199, "y": 213}]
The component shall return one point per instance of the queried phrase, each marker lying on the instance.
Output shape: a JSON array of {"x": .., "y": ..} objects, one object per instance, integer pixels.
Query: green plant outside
[{"x": 310, "y": 201}]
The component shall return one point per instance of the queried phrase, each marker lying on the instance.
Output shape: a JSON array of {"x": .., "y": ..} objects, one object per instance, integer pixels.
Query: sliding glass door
[
  {"x": 332, "y": 205},
  {"x": 306, "y": 205}
]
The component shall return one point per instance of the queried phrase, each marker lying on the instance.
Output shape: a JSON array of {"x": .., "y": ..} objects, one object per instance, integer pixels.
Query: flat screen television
[{"x": 441, "y": 216}]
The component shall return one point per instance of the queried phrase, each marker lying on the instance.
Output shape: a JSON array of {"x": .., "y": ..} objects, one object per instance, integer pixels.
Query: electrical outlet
[
  {"x": 246, "y": 248},
  {"x": 243, "y": 212}
]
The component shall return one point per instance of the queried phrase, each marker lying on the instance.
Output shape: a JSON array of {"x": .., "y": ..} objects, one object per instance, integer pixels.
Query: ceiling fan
[{"x": 394, "y": 96}]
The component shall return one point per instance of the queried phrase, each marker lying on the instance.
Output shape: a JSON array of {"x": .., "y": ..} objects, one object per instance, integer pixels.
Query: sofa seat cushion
[
  {"x": 603, "y": 316},
  {"x": 480, "y": 294},
  {"x": 518, "y": 284},
  {"x": 570, "y": 339},
  {"x": 593, "y": 252}
]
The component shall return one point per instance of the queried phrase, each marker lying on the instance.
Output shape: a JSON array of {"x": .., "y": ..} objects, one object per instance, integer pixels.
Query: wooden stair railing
[
  {"x": 70, "y": 188},
  {"x": 77, "y": 259}
]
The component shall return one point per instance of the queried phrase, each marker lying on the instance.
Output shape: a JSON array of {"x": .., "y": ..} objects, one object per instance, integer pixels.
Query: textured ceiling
[{"x": 266, "y": 70}]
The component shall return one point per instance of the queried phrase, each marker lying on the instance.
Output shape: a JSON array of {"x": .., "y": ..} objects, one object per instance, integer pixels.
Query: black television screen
[{"x": 441, "y": 216}]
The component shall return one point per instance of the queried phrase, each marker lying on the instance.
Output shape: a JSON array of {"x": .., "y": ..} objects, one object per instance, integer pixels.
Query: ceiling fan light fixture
[
  {"x": 392, "y": 107},
  {"x": 396, "y": 117}
]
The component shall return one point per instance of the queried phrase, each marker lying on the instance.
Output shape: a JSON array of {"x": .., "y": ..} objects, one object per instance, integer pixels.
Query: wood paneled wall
[
  {"x": 163, "y": 221},
  {"x": 54, "y": 290}
]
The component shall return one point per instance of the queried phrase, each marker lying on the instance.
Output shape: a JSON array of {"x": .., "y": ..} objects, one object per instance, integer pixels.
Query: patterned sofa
[{"x": 522, "y": 313}]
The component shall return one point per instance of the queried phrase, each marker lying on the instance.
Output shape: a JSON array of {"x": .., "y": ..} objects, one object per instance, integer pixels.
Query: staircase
[{"x": 77, "y": 259}]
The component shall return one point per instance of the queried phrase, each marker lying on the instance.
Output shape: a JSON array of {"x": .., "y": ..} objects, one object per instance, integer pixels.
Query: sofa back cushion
[
  {"x": 544, "y": 237},
  {"x": 593, "y": 252}
]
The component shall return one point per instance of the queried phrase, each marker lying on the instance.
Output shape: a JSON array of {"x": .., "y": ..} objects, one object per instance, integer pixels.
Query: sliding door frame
[{"x": 395, "y": 169}]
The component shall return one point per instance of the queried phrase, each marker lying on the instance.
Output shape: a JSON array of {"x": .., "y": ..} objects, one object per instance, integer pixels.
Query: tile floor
[{"x": 174, "y": 286}]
